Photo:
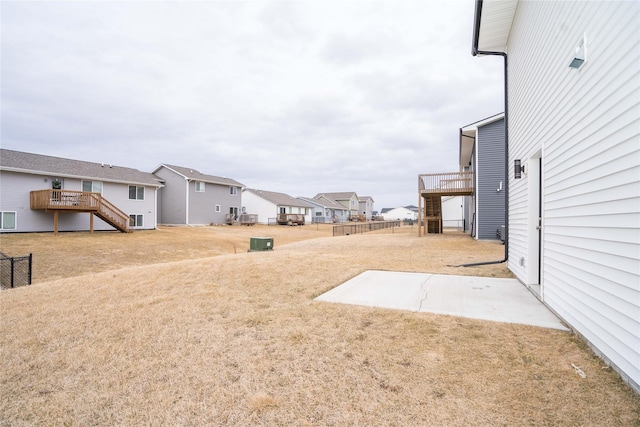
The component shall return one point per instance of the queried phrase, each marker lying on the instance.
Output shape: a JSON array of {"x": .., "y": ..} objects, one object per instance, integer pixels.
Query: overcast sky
[{"x": 298, "y": 97}]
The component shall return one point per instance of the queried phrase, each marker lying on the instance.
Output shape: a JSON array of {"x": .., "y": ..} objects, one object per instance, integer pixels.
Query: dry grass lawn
[{"x": 182, "y": 326}]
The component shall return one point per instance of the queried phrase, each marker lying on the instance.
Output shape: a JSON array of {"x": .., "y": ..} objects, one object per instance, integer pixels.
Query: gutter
[{"x": 476, "y": 52}]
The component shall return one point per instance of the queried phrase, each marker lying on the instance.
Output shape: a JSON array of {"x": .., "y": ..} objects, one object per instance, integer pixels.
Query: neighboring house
[
  {"x": 573, "y": 121},
  {"x": 401, "y": 213},
  {"x": 482, "y": 151},
  {"x": 268, "y": 204},
  {"x": 366, "y": 206},
  {"x": 190, "y": 197},
  {"x": 326, "y": 210},
  {"x": 349, "y": 200},
  {"x": 44, "y": 193},
  {"x": 452, "y": 212}
]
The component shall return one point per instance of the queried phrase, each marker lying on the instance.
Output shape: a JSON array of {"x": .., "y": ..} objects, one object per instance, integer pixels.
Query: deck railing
[
  {"x": 81, "y": 201},
  {"x": 446, "y": 183}
]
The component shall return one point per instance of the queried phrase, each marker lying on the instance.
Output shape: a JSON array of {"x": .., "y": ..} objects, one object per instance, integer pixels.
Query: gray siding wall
[
  {"x": 202, "y": 204},
  {"x": 172, "y": 205},
  {"x": 490, "y": 172},
  {"x": 585, "y": 125},
  {"x": 15, "y": 188}
]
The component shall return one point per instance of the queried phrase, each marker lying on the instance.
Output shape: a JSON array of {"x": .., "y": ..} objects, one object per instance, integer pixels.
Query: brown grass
[{"x": 182, "y": 326}]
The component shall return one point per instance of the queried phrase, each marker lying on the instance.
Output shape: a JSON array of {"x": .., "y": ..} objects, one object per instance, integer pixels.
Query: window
[
  {"x": 199, "y": 187},
  {"x": 92, "y": 186},
  {"x": 136, "y": 192},
  {"x": 318, "y": 213},
  {"x": 8, "y": 221},
  {"x": 233, "y": 191},
  {"x": 218, "y": 208},
  {"x": 136, "y": 220}
]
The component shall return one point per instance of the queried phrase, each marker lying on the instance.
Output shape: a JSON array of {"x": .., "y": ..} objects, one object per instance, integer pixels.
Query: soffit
[{"x": 495, "y": 24}]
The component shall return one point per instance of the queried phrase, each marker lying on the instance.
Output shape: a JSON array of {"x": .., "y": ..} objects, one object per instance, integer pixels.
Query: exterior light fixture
[
  {"x": 580, "y": 55},
  {"x": 518, "y": 168}
]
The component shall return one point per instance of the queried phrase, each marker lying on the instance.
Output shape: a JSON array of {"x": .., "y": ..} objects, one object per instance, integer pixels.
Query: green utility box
[{"x": 260, "y": 244}]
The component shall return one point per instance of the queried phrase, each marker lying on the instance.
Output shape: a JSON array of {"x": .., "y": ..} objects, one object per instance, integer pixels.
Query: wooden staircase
[
  {"x": 57, "y": 201},
  {"x": 433, "y": 213}
]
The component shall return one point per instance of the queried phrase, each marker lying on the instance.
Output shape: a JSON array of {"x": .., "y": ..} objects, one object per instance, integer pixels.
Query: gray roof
[
  {"x": 324, "y": 202},
  {"x": 199, "y": 176},
  {"x": 18, "y": 161},
  {"x": 338, "y": 196},
  {"x": 280, "y": 199}
]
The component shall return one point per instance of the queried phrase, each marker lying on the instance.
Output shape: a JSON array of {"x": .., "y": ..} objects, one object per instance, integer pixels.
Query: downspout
[{"x": 476, "y": 52}]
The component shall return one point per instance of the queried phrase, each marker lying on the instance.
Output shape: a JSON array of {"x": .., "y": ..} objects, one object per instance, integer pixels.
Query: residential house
[
  {"x": 190, "y": 197},
  {"x": 402, "y": 213},
  {"x": 269, "y": 204},
  {"x": 366, "y": 206},
  {"x": 573, "y": 141},
  {"x": 45, "y": 193},
  {"x": 349, "y": 200},
  {"x": 482, "y": 151},
  {"x": 326, "y": 210}
]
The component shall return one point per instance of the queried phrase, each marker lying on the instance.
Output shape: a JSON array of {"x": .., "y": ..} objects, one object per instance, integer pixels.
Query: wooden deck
[
  {"x": 431, "y": 188},
  {"x": 446, "y": 184},
  {"x": 57, "y": 201}
]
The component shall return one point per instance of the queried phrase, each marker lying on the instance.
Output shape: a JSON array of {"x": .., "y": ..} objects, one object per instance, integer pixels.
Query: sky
[{"x": 298, "y": 97}]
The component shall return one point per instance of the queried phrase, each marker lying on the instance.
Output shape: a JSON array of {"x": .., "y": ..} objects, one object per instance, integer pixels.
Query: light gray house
[
  {"x": 482, "y": 151},
  {"x": 347, "y": 199},
  {"x": 190, "y": 197},
  {"x": 573, "y": 122},
  {"x": 326, "y": 210},
  {"x": 268, "y": 205},
  {"x": 45, "y": 193},
  {"x": 366, "y": 206}
]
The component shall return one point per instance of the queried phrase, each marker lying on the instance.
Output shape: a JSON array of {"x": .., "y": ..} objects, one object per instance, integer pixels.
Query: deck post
[
  {"x": 55, "y": 223},
  {"x": 419, "y": 214},
  {"x": 91, "y": 222}
]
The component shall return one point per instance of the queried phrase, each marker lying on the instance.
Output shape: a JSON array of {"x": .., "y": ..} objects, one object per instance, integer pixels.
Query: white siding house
[
  {"x": 576, "y": 132},
  {"x": 268, "y": 204},
  {"x": 400, "y": 213}
]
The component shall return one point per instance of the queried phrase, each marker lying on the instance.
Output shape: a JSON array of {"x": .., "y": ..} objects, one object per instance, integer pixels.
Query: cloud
[{"x": 298, "y": 97}]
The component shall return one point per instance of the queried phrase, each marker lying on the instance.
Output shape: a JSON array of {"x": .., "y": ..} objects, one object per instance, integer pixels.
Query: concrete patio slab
[{"x": 486, "y": 298}]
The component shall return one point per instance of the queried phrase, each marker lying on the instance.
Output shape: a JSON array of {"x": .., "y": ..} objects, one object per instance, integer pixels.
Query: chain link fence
[{"x": 15, "y": 271}]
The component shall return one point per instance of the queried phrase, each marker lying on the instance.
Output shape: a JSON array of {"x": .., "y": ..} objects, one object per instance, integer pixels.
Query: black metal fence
[
  {"x": 15, "y": 271},
  {"x": 363, "y": 227}
]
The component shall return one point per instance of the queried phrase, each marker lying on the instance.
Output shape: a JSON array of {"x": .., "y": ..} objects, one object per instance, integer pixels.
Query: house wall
[
  {"x": 584, "y": 124},
  {"x": 202, "y": 204},
  {"x": 452, "y": 211},
  {"x": 255, "y": 204},
  {"x": 490, "y": 208},
  {"x": 400, "y": 214},
  {"x": 15, "y": 188},
  {"x": 366, "y": 207},
  {"x": 172, "y": 206}
]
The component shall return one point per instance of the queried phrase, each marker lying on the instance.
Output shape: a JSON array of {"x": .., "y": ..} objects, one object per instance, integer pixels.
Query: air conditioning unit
[
  {"x": 260, "y": 244},
  {"x": 502, "y": 233}
]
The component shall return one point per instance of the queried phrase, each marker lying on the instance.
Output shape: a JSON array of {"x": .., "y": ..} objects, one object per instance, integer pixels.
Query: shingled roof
[
  {"x": 280, "y": 199},
  {"x": 18, "y": 161},
  {"x": 338, "y": 196},
  {"x": 199, "y": 176}
]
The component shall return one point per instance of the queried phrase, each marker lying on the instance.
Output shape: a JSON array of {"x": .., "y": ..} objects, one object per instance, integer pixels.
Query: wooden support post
[
  {"x": 55, "y": 222},
  {"x": 419, "y": 213},
  {"x": 91, "y": 222}
]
